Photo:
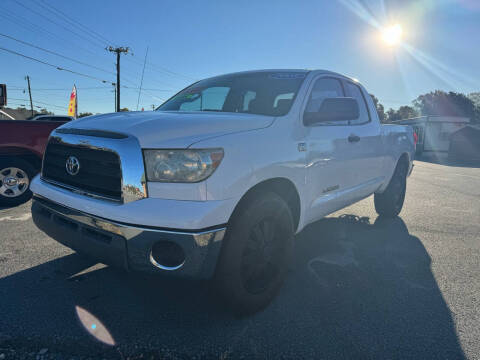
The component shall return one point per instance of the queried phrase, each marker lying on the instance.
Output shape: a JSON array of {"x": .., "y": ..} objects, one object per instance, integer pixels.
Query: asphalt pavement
[{"x": 361, "y": 287}]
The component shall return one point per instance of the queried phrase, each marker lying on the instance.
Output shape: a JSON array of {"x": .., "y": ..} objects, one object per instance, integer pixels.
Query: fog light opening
[{"x": 167, "y": 255}]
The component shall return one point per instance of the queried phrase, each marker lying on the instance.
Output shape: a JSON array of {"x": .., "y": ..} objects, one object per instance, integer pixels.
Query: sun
[{"x": 392, "y": 35}]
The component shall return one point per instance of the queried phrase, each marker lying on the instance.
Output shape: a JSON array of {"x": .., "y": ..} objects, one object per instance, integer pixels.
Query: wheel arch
[
  {"x": 404, "y": 159},
  {"x": 281, "y": 186},
  {"x": 25, "y": 154}
]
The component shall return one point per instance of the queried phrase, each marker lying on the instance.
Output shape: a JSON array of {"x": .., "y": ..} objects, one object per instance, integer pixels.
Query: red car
[{"x": 22, "y": 143}]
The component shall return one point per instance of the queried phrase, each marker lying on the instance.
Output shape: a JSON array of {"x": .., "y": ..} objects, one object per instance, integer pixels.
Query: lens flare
[
  {"x": 94, "y": 326},
  {"x": 392, "y": 35}
]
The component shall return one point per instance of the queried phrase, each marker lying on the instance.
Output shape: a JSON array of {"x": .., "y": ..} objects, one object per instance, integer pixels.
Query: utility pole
[
  {"x": 115, "y": 92},
  {"x": 29, "y": 93},
  {"x": 118, "y": 51}
]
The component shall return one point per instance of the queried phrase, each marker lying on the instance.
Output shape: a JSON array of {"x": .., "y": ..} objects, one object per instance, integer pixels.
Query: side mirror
[
  {"x": 333, "y": 109},
  {"x": 3, "y": 95}
]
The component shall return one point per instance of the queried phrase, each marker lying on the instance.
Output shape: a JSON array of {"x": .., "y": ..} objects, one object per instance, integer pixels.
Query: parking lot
[{"x": 361, "y": 287}]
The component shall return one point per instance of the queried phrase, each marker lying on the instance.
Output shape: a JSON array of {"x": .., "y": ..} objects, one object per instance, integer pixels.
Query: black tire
[
  {"x": 390, "y": 202},
  {"x": 7, "y": 195},
  {"x": 256, "y": 254}
]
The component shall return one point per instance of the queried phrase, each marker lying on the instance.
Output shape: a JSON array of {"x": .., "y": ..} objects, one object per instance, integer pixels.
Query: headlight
[{"x": 186, "y": 166}]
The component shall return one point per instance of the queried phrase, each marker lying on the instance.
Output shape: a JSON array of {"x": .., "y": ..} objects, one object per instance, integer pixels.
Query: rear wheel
[
  {"x": 15, "y": 177},
  {"x": 390, "y": 202},
  {"x": 256, "y": 253}
]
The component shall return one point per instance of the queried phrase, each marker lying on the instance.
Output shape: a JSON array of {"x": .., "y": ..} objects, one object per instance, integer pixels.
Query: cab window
[
  {"x": 322, "y": 89},
  {"x": 355, "y": 92}
]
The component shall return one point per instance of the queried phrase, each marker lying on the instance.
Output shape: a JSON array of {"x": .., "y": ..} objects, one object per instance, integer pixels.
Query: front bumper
[
  {"x": 148, "y": 212},
  {"x": 125, "y": 245}
]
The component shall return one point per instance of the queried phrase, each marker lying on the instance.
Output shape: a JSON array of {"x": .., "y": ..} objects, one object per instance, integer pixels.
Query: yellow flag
[{"x": 72, "y": 106}]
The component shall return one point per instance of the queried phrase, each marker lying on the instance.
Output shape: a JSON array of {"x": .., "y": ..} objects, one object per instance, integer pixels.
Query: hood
[{"x": 164, "y": 129}]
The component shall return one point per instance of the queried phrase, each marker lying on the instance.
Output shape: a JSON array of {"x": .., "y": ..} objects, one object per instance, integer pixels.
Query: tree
[
  {"x": 475, "y": 97},
  {"x": 390, "y": 115},
  {"x": 124, "y": 109},
  {"x": 45, "y": 112},
  {"x": 403, "y": 112},
  {"x": 84, "y": 114},
  {"x": 380, "y": 109},
  {"x": 443, "y": 103}
]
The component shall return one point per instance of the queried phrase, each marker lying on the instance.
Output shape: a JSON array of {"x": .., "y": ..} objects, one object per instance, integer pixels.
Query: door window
[
  {"x": 355, "y": 92},
  {"x": 322, "y": 89}
]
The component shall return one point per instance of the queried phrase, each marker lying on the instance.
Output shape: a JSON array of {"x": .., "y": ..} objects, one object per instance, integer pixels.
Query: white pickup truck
[{"x": 217, "y": 181}]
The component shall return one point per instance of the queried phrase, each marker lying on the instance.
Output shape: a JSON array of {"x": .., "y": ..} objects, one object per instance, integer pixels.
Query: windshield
[{"x": 263, "y": 93}]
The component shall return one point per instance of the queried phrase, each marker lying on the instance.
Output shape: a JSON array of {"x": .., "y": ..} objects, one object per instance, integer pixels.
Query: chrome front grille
[
  {"x": 109, "y": 168},
  {"x": 99, "y": 171}
]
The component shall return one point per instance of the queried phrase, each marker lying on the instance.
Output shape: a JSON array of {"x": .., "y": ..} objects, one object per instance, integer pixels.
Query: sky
[{"x": 190, "y": 40}]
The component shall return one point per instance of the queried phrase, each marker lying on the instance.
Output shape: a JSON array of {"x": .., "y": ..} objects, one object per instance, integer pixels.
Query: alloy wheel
[{"x": 13, "y": 182}]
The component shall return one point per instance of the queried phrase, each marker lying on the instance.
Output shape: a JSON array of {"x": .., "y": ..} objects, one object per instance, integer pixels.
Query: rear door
[{"x": 366, "y": 143}]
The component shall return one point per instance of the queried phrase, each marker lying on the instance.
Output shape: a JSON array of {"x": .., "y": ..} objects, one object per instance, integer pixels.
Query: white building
[{"x": 434, "y": 131}]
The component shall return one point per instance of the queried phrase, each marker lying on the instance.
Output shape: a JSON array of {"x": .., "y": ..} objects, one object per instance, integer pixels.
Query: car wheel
[
  {"x": 390, "y": 202},
  {"x": 15, "y": 177},
  {"x": 255, "y": 254}
]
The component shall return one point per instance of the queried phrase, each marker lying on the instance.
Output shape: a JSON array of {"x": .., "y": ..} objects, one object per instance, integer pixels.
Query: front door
[{"x": 329, "y": 153}]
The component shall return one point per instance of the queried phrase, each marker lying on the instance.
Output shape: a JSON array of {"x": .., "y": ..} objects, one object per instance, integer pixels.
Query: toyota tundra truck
[{"x": 216, "y": 182}]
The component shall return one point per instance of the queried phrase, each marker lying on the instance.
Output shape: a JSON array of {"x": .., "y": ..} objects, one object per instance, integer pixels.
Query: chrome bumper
[{"x": 126, "y": 245}]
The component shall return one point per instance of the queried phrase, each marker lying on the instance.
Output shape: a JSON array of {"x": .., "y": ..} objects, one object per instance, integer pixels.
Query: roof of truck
[{"x": 306, "y": 71}]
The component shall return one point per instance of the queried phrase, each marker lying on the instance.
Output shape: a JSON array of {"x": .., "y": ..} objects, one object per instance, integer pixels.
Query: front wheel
[
  {"x": 15, "y": 177},
  {"x": 390, "y": 202},
  {"x": 256, "y": 254}
]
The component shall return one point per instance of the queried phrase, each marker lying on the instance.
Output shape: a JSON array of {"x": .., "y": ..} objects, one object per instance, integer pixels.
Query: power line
[
  {"x": 57, "y": 106},
  {"x": 97, "y": 35},
  {"x": 21, "y": 22},
  {"x": 149, "y": 89},
  {"x": 21, "y": 88},
  {"x": 173, "y": 73},
  {"x": 59, "y": 89},
  {"x": 55, "y": 66},
  {"x": 164, "y": 70},
  {"x": 40, "y": 102},
  {"x": 141, "y": 82},
  {"x": 15, "y": 103},
  {"x": 55, "y": 53},
  {"x": 53, "y": 22},
  {"x": 75, "y": 23},
  {"x": 155, "y": 67}
]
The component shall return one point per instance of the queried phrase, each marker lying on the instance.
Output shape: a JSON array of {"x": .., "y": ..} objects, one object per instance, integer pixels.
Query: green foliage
[
  {"x": 475, "y": 97},
  {"x": 45, "y": 112},
  {"x": 84, "y": 114},
  {"x": 380, "y": 109},
  {"x": 437, "y": 103},
  {"x": 442, "y": 103},
  {"x": 403, "y": 112},
  {"x": 124, "y": 109}
]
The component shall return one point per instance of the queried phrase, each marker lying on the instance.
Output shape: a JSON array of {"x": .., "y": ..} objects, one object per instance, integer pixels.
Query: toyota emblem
[{"x": 72, "y": 165}]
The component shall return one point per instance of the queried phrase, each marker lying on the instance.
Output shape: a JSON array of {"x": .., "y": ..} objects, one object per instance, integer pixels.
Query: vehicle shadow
[
  {"x": 6, "y": 207},
  {"x": 357, "y": 290}
]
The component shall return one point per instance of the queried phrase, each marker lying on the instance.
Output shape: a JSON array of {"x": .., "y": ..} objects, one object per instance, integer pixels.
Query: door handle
[{"x": 353, "y": 138}]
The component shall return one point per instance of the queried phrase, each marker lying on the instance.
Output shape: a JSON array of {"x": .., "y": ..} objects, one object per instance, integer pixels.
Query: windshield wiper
[{"x": 216, "y": 110}]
